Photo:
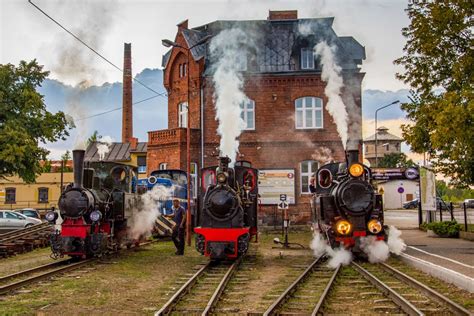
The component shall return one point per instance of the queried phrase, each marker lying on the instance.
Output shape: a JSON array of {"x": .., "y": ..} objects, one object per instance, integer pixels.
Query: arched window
[
  {"x": 183, "y": 114},
  {"x": 308, "y": 113},
  {"x": 307, "y": 170},
  {"x": 163, "y": 166},
  {"x": 248, "y": 114}
]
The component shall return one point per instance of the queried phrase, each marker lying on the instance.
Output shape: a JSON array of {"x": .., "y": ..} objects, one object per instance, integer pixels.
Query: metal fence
[{"x": 461, "y": 213}]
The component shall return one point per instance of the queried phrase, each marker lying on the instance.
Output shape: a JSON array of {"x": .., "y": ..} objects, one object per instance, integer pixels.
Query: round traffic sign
[{"x": 401, "y": 190}]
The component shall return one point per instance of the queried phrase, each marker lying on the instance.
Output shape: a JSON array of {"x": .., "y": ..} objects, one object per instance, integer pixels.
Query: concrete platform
[{"x": 449, "y": 259}]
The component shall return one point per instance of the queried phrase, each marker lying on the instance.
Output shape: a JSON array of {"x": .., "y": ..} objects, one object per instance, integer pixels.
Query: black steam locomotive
[
  {"x": 346, "y": 206},
  {"x": 96, "y": 210},
  {"x": 227, "y": 215}
]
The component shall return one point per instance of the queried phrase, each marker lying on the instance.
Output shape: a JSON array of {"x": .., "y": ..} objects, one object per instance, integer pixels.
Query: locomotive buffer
[{"x": 283, "y": 205}]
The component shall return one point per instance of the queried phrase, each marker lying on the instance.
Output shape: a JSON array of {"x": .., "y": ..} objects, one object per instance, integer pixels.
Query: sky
[{"x": 106, "y": 24}]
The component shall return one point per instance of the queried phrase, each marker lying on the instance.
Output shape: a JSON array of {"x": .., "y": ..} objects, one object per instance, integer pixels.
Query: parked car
[
  {"x": 13, "y": 220},
  {"x": 411, "y": 204},
  {"x": 29, "y": 212},
  {"x": 442, "y": 204},
  {"x": 469, "y": 203}
]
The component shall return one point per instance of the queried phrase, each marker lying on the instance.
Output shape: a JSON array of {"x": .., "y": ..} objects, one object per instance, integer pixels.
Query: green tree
[
  {"x": 65, "y": 158},
  {"x": 439, "y": 62},
  {"x": 93, "y": 138},
  {"x": 25, "y": 124},
  {"x": 395, "y": 160}
]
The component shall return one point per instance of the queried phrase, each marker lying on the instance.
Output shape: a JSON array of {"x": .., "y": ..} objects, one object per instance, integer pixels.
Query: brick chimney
[
  {"x": 283, "y": 15},
  {"x": 127, "y": 112}
]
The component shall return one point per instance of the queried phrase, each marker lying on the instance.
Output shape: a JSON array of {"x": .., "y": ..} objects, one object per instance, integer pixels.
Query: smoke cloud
[
  {"x": 323, "y": 155},
  {"x": 395, "y": 243},
  {"x": 228, "y": 50},
  {"x": 376, "y": 250},
  {"x": 103, "y": 146},
  {"x": 339, "y": 256},
  {"x": 144, "y": 218},
  {"x": 331, "y": 74}
]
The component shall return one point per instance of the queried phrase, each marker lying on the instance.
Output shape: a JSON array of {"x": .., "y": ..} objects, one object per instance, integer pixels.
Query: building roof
[
  {"x": 117, "y": 152},
  {"x": 383, "y": 134},
  {"x": 278, "y": 43}
]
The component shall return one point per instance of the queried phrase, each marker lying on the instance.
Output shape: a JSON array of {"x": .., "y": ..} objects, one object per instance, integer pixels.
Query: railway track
[
  {"x": 26, "y": 239},
  {"x": 372, "y": 288},
  {"x": 201, "y": 292},
  {"x": 36, "y": 274}
]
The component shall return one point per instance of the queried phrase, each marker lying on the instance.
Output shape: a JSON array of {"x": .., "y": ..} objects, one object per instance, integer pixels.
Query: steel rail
[
  {"x": 284, "y": 296},
  {"x": 403, "y": 303},
  {"x": 323, "y": 296},
  {"x": 12, "y": 286},
  {"x": 220, "y": 288},
  {"x": 23, "y": 232},
  {"x": 182, "y": 291},
  {"x": 453, "y": 306},
  {"x": 32, "y": 270}
]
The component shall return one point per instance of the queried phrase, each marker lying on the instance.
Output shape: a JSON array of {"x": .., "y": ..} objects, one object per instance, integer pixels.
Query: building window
[
  {"x": 307, "y": 58},
  {"x": 141, "y": 163},
  {"x": 185, "y": 70},
  {"x": 10, "y": 195},
  {"x": 309, "y": 112},
  {"x": 43, "y": 195},
  {"x": 163, "y": 166},
  {"x": 194, "y": 179},
  {"x": 183, "y": 114},
  {"x": 308, "y": 168},
  {"x": 248, "y": 114}
]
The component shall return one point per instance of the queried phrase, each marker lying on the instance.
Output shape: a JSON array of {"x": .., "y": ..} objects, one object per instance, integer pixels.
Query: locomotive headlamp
[
  {"x": 343, "y": 227},
  {"x": 374, "y": 226},
  {"x": 51, "y": 216},
  {"x": 221, "y": 177},
  {"x": 356, "y": 170},
  {"x": 95, "y": 216}
]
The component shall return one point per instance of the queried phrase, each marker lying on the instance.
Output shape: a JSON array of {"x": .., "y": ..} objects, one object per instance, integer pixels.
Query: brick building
[{"x": 287, "y": 123}]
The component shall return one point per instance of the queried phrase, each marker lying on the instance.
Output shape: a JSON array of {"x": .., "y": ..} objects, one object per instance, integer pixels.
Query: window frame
[
  {"x": 39, "y": 195},
  {"x": 308, "y": 174},
  {"x": 304, "y": 58},
  {"x": 163, "y": 166},
  {"x": 244, "y": 112},
  {"x": 314, "y": 108},
  {"x": 7, "y": 200},
  {"x": 182, "y": 113}
]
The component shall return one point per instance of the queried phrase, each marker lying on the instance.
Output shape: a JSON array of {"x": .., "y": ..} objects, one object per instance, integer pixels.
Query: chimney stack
[{"x": 127, "y": 113}]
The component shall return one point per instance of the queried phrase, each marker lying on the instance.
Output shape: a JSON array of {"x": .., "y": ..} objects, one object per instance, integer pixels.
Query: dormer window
[{"x": 307, "y": 58}]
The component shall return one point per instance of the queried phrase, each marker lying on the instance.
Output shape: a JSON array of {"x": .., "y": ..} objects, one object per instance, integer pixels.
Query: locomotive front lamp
[
  {"x": 343, "y": 227},
  {"x": 356, "y": 170},
  {"x": 51, "y": 216},
  {"x": 374, "y": 226},
  {"x": 221, "y": 177},
  {"x": 95, "y": 216}
]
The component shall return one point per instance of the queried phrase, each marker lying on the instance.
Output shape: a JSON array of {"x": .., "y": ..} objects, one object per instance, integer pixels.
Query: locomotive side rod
[
  {"x": 404, "y": 304},
  {"x": 453, "y": 306},
  {"x": 182, "y": 291},
  {"x": 284, "y": 296},
  {"x": 220, "y": 288}
]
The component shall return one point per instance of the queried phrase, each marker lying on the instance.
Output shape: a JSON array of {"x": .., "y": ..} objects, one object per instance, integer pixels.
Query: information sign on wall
[{"x": 274, "y": 182}]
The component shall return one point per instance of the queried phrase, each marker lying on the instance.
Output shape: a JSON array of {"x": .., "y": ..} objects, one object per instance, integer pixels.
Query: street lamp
[
  {"x": 169, "y": 43},
  {"x": 376, "y": 111}
]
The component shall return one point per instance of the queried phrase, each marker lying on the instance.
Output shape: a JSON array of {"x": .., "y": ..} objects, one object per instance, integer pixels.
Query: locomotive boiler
[
  {"x": 346, "y": 205},
  {"x": 227, "y": 215},
  {"x": 95, "y": 210}
]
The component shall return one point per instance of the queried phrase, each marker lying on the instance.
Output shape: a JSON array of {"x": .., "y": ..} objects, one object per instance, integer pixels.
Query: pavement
[{"x": 450, "y": 259}]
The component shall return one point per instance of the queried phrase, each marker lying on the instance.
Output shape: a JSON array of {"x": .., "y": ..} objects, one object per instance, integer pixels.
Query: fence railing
[{"x": 463, "y": 214}]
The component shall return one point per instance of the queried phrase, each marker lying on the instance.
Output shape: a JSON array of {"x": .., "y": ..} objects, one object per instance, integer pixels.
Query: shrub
[{"x": 445, "y": 229}]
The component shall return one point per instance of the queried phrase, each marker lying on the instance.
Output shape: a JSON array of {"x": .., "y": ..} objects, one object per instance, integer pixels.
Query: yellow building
[{"x": 42, "y": 195}]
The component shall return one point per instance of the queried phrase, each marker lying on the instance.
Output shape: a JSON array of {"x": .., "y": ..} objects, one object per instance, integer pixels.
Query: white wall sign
[{"x": 274, "y": 182}]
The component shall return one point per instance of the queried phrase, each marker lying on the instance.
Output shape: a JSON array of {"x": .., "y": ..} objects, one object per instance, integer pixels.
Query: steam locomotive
[
  {"x": 227, "y": 215},
  {"x": 96, "y": 210},
  {"x": 346, "y": 206}
]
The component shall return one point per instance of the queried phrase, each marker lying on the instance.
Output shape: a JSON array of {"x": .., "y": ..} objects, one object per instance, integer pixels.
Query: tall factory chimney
[{"x": 127, "y": 112}]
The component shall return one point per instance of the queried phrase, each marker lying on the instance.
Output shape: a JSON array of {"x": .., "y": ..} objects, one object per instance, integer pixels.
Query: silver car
[{"x": 13, "y": 220}]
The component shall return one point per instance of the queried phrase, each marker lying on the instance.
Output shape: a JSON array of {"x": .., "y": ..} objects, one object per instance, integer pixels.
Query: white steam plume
[
  {"x": 340, "y": 256},
  {"x": 331, "y": 74},
  {"x": 229, "y": 55},
  {"x": 376, "y": 250},
  {"x": 143, "y": 220},
  {"x": 395, "y": 243},
  {"x": 103, "y": 146},
  {"x": 323, "y": 155}
]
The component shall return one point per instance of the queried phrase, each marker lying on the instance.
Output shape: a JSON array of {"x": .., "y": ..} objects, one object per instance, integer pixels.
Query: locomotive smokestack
[
  {"x": 224, "y": 164},
  {"x": 352, "y": 152},
  {"x": 127, "y": 112},
  {"x": 78, "y": 160}
]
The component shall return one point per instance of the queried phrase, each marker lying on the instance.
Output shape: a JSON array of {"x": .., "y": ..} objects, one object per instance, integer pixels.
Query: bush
[{"x": 445, "y": 229}]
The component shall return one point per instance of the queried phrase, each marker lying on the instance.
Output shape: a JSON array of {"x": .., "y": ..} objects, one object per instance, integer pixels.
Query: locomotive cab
[{"x": 227, "y": 213}]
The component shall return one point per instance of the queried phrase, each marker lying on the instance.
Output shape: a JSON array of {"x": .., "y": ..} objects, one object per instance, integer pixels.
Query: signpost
[{"x": 273, "y": 184}]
